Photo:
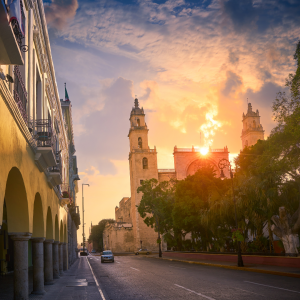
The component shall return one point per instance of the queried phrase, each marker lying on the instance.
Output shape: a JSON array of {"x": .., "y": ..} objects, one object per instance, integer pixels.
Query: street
[{"x": 138, "y": 277}]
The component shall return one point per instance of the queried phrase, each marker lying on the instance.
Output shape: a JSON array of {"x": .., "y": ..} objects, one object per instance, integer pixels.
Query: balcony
[
  {"x": 55, "y": 173},
  {"x": 65, "y": 194},
  {"x": 45, "y": 137},
  {"x": 10, "y": 38},
  {"x": 20, "y": 93}
]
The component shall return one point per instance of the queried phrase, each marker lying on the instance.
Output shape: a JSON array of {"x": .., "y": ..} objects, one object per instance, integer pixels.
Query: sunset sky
[{"x": 192, "y": 65}]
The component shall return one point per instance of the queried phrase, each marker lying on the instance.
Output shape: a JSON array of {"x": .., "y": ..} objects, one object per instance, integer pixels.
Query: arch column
[
  {"x": 38, "y": 265},
  {"x": 55, "y": 260},
  {"x": 20, "y": 264},
  {"x": 65, "y": 257},
  {"x": 61, "y": 258},
  {"x": 48, "y": 262}
]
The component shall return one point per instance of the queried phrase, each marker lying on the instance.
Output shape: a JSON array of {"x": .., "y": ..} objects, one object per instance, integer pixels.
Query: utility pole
[{"x": 83, "y": 236}]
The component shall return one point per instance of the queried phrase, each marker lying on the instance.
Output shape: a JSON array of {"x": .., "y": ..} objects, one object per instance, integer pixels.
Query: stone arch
[
  {"x": 138, "y": 122},
  {"x": 196, "y": 164},
  {"x": 145, "y": 163},
  {"x": 16, "y": 202},
  {"x": 38, "y": 218},
  {"x": 254, "y": 124},
  {"x": 49, "y": 225},
  {"x": 140, "y": 143},
  {"x": 61, "y": 232},
  {"x": 56, "y": 229}
]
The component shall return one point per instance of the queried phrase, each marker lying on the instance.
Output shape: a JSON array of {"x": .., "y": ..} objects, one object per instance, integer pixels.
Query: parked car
[
  {"x": 143, "y": 251},
  {"x": 93, "y": 251},
  {"x": 107, "y": 255}
]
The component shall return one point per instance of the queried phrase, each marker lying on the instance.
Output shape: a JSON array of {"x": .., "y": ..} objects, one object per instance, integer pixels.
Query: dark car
[{"x": 107, "y": 255}]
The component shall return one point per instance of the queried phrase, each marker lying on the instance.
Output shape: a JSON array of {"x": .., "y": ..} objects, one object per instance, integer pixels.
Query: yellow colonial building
[{"x": 38, "y": 169}]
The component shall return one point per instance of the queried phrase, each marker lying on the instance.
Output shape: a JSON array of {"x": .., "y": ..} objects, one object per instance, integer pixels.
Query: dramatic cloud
[
  {"x": 59, "y": 12},
  {"x": 192, "y": 64}
]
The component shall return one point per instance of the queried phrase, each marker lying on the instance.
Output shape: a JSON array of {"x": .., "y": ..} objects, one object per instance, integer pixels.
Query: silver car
[{"x": 107, "y": 255}]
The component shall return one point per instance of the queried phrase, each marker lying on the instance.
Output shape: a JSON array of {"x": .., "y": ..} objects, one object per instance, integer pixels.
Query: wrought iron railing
[
  {"x": 20, "y": 93},
  {"x": 44, "y": 134},
  {"x": 18, "y": 31},
  {"x": 58, "y": 167},
  {"x": 65, "y": 191}
]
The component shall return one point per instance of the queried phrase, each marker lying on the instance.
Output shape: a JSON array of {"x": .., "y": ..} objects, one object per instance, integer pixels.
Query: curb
[{"x": 233, "y": 268}]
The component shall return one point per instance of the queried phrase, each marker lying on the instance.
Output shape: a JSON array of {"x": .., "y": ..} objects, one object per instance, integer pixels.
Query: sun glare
[{"x": 203, "y": 150}]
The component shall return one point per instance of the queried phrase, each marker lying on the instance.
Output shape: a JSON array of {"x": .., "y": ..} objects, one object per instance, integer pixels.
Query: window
[
  {"x": 254, "y": 123},
  {"x": 140, "y": 143},
  {"x": 246, "y": 143},
  {"x": 145, "y": 163},
  {"x": 141, "y": 181},
  {"x": 138, "y": 122}
]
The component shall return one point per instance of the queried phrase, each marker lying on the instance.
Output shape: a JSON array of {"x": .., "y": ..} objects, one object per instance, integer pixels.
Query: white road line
[
  {"x": 100, "y": 291},
  {"x": 177, "y": 267},
  {"x": 199, "y": 294},
  {"x": 117, "y": 262},
  {"x": 274, "y": 287},
  {"x": 249, "y": 292},
  {"x": 134, "y": 269}
]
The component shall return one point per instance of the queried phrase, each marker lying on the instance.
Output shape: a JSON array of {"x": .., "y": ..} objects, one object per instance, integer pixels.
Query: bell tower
[
  {"x": 142, "y": 166},
  {"x": 252, "y": 129}
]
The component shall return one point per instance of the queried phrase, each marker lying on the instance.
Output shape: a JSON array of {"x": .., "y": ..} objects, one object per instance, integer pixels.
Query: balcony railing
[
  {"x": 65, "y": 194},
  {"x": 58, "y": 167},
  {"x": 44, "y": 134},
  {"x": 20, "y": 93}
]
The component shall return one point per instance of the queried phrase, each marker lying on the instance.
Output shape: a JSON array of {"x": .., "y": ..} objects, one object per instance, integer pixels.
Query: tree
[
  {"x": 193, "y": 198},
  {"x": 96, "y": 235},
  {"x": 154, "y": 206}
]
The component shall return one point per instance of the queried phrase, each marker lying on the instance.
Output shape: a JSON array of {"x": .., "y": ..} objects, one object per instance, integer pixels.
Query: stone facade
[
  {"x": 252, "y": 129},
  {"x": 130, "y": 233}
]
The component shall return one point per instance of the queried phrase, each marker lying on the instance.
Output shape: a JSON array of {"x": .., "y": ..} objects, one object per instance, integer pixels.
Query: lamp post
[
  {"x": 223, "y": 163},
  {"x": 83, "y": 236}
]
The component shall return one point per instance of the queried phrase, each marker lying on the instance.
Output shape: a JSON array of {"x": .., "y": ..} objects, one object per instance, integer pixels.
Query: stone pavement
[{"x": 76, "y": 283}]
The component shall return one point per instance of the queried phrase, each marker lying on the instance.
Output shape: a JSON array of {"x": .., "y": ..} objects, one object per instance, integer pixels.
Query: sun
[{"x": 203, "y": 150}]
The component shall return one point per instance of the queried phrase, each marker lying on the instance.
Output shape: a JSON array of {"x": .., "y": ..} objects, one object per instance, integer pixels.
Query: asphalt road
[{"x": 137, "y": 277}]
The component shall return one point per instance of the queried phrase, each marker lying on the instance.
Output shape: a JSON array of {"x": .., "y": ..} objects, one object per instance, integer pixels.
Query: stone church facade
[{"x": 129, "y": 233}]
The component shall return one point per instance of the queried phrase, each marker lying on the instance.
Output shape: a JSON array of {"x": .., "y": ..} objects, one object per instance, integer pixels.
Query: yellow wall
[{"x": 16, "y": 153}]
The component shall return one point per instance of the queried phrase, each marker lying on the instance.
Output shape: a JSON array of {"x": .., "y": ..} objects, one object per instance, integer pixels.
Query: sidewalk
[
  {"x": 275, "y": 270},
  {"x": 76, "y": 283}
]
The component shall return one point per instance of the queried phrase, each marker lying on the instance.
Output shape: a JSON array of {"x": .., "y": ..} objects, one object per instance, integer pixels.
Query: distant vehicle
[
  {"x": 107, "y": 255},
  {"x": 84, "y": 253},
  {"x": 93, "y": 251},
  {"x": 143, "y": 251}
]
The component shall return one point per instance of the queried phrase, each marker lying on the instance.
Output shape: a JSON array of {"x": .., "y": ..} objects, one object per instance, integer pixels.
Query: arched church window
[
  {"x": 246, "y": 143},
  {"x": 145, "y": 163},
  {"x": 140, "y": 143},
  {"x": 138, "y": 122},
  {"x": 254, "y": 123}
]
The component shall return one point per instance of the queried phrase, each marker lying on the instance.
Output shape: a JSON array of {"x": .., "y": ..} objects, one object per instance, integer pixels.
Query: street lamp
[
  {"x": 83, "y": 236},
  {"x": 224, "y": 163}
]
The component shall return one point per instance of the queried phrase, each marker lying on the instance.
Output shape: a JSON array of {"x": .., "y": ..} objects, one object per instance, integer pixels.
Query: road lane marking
[
  {"x": 99, "y": 289},
  {"x": 274, "y": 287},
  {"x": 249, "y": 292},
  {"x": 117, "y": 262},
  {"x": 177, "y": 267},
  {"x": 134, "y": 269},
  {"x": 199, "y": 294}
]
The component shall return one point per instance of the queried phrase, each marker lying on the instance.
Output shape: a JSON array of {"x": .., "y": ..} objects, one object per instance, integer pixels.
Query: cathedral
[{"x": 129, "y": 233}]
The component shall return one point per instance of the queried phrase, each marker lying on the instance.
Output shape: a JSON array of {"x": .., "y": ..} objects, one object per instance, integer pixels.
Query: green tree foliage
[{"x": 96, "y": 235}]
